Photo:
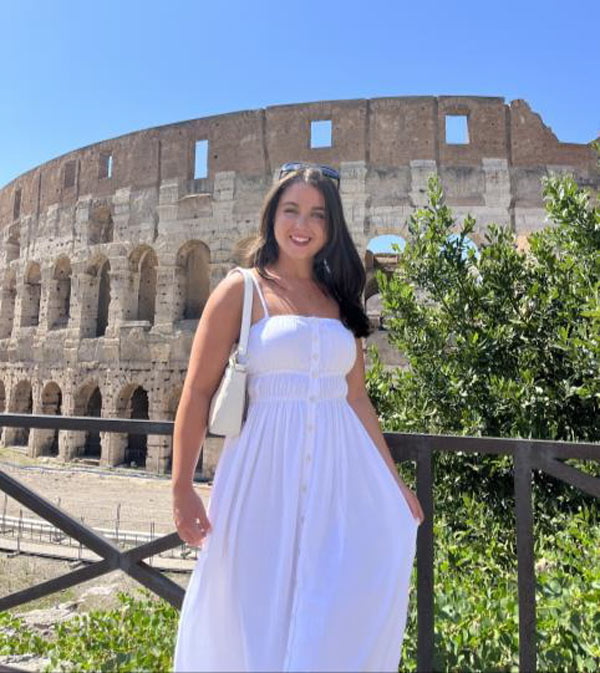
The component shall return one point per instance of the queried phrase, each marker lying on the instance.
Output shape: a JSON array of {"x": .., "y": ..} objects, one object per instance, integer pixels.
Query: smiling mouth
[{"x": 301, "y": 240}]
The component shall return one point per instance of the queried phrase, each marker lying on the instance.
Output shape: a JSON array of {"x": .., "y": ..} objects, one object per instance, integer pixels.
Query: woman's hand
[
  {"x": 413, "y": 503},
  {"x": 190, "y": 516}
]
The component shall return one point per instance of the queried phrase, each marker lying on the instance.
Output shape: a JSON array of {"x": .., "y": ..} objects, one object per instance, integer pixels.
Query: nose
[{"x": 302, "y": 219}]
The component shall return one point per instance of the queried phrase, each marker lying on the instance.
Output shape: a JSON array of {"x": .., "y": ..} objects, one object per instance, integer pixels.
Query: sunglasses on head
[{"x": 327, "y": 171}]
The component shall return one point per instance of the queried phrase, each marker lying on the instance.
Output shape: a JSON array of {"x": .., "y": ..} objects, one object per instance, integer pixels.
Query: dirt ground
[{"x": 100, "y": 496}]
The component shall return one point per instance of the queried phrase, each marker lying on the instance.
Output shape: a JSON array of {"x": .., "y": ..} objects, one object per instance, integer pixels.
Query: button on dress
[{"x": 308, "y": 564}]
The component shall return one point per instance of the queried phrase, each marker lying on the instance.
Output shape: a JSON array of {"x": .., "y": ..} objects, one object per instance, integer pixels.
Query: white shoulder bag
[{"x": 229, "y": 403}]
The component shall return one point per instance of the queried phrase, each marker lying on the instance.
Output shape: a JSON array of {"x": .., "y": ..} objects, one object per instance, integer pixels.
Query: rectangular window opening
[
  {"x": 17, "y": 204},
  {"x": 105, "y": 169},
  {"x": 201, "y": 160},
  {"x": 69, "y": 174},
  {"x": 320, "y": 133},
  {"x": 457, "y": 130}
]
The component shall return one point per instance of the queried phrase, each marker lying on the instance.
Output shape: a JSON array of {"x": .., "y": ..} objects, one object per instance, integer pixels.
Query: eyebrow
[{"x": 293, "y": 203}]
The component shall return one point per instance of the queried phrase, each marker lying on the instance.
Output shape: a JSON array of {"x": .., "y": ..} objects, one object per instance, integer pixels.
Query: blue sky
[{"x": 79, "y": 72}]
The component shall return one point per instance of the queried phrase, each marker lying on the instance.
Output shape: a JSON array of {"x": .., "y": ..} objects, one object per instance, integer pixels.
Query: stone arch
[
  {"x": 103, "y": 299},
  {"x": 21, "y": 402},
  {"x": 143, "y": 263},
  {"x": 100, "y": 224},
  {"x": 96, "y": 292},
  {"x": 59, "y": 299},
  {"x": 133, "y": 403},
  {"x": 32, "y": 292},
  {"x": 380, "y": 255},
  {"x": 7, "y": 304},
  {"x": 192, "y": 278},
  {"x": 51, "y": 405},
  {"x": 88, "y": 402},
  {"x": 382, "y": 244}
]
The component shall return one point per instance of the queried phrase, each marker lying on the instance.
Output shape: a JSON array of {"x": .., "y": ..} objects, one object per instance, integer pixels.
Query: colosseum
[{"x": 109, "y": 252}]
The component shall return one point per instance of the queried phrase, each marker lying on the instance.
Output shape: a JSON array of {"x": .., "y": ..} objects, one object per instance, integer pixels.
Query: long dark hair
[{"x": 336, "y": 267}]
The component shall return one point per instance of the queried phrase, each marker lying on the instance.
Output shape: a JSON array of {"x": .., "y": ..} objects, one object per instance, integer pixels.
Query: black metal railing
[{"x": 527, "y": 455}]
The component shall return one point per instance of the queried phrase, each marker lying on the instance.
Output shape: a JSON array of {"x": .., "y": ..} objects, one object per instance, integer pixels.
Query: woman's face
[{"x": 300, "y": 215}]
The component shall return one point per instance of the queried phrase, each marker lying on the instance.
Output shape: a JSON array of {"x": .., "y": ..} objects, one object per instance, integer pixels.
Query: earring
[{"x": 326, "y": 266}]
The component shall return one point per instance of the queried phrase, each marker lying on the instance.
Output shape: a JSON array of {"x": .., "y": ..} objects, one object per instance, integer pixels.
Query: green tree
[{"x": 501, "y": 343}]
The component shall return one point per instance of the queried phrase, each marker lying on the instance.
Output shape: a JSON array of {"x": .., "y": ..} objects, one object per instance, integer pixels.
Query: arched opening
[
  {"x": 466, "y": 248},
  {"x": 143, "y": 262},
  {"x": 193, "y": 280},
  {"x": 88, "y": 402},
  {"x": 103, "y": 299},
  {"x": 133, "y": 403},
  {"x": 32, "y": 290},
  {"x": 7, "y": 304},
  {"x": 94, "y": 285},
  {"x": 92, "y": 447},
  {"x": 59, "y": 301},
  {"x": 382, "y": 254},
  {"x": 22, "y": 403},
  {"x": 52, "y": 406},
  {"x": 137, "y": 445},
  {"x": 385, "y": 244}
]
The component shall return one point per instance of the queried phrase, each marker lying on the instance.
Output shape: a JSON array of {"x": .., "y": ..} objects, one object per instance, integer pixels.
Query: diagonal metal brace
[{"x": 113, "y": 558}]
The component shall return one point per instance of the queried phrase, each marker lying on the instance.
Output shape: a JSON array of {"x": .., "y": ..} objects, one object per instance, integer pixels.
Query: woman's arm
[
  {"x": 217, "y": 330},
  {"x": 359, "y": 400}
]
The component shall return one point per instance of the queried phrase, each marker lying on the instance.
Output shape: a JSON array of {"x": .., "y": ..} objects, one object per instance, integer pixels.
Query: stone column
[
  {"x": 159, "y": 446},
  {"x": 420, "y": 170},
  {"x": 40, "y": 439},
  {"x": 355, "y": 199},
  {"x": 82, "y": 217},
  {"x": 497, "y": 195},
  {"x": 122, "y": 295},
  {"x": 114, "y": 445},
  {"x": 121, "y": 214},
  {"x": 71, "y": 443},
  {"x": 167, "y": 296},
  {"x": 170, "y": 192},
  {"x": 47, "y": 296},
  {"x": 84, "y": 293}
]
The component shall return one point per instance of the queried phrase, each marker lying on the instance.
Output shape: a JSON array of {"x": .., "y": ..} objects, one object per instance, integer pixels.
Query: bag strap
[{"x": 242, "y": 349}]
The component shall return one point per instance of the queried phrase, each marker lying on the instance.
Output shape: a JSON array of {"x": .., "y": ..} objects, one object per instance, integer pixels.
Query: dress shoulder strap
[
  {"x": 256, "y": 284},
  {"x": 260, "y": 294}
]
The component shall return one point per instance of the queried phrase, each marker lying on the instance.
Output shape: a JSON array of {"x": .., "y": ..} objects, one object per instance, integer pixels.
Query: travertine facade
[{"x": 108, "y": 253}]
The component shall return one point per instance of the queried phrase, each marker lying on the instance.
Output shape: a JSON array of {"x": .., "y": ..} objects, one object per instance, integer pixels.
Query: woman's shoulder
[{"x": 232, "y": 284}]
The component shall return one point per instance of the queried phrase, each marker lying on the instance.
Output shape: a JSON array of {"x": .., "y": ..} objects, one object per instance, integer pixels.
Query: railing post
[
  {"x": 425, "y": 603},
  {"x": 525, "y": 558}
]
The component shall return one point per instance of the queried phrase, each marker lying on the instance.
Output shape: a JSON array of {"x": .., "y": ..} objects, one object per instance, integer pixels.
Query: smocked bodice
[{"x": 291, "y": 356}]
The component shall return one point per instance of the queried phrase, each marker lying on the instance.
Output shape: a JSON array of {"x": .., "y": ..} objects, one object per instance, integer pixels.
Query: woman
[{"x": 308, "y": 550}]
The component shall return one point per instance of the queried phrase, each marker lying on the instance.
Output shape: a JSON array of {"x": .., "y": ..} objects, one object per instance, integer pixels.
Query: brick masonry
[{"x": 104, "y": 272}]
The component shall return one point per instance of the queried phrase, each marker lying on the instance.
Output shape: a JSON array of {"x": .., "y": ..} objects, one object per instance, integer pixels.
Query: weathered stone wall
[{"x": 103, "y": 278}]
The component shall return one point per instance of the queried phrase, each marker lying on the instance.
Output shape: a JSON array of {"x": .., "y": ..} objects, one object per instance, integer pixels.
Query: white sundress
[{"x": 308, "y": 564}]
